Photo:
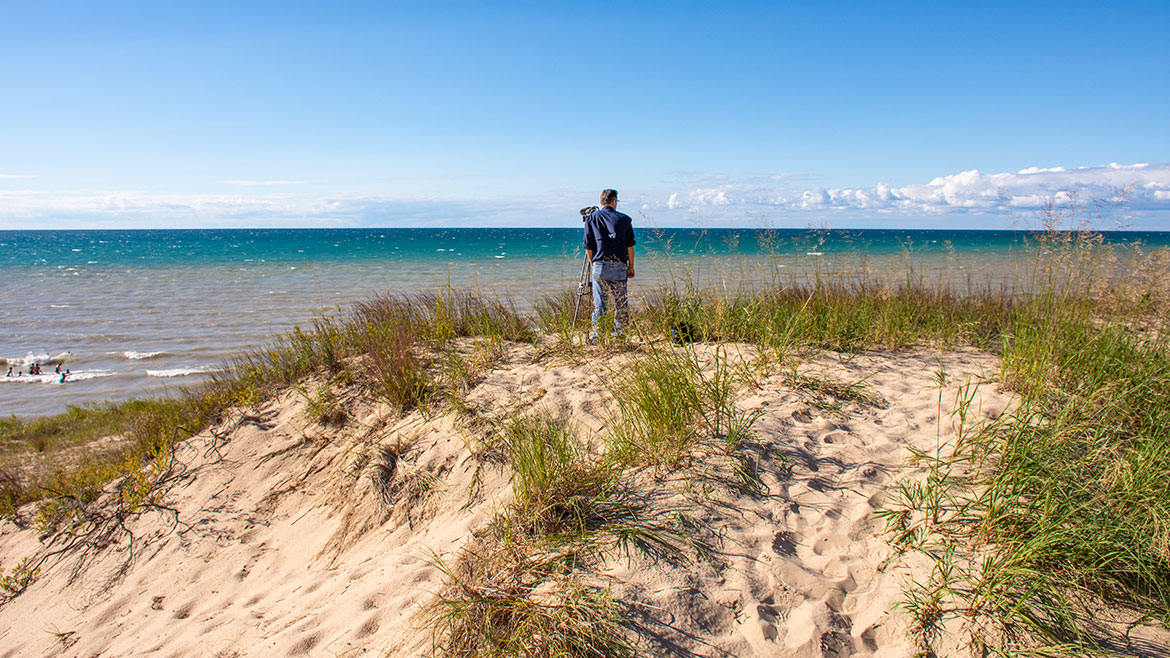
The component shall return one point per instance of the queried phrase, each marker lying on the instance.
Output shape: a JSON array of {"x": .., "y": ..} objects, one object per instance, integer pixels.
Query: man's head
[{"x": 609, "y": 198}]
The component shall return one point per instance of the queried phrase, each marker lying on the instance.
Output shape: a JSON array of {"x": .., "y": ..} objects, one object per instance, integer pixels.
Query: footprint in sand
[
  {"x": 368, "y": 628},
  {"x": 784, "y": 544},
  {"x": 769, "y": 615}
]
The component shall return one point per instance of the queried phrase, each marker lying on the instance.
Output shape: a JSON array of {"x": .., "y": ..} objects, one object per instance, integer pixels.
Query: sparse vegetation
[
  {"x": 511, "y": 600},
  {"x": 1043, "y": 518},
  {"x": 12, "y": 584}
]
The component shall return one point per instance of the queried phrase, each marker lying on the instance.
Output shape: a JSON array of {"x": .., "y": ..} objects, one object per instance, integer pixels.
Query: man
[{"x": 609, "y": 246}]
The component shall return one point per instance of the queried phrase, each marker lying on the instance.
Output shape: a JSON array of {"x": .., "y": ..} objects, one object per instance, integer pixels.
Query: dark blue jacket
[{"x": 608, "y": 233}]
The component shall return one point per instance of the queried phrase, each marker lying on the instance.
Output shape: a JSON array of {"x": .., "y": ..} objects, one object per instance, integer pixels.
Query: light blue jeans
[{"x": 609, "y": 280}]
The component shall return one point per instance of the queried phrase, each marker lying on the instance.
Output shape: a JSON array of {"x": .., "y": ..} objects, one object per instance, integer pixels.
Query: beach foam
[{"x": 55, "y": 378}]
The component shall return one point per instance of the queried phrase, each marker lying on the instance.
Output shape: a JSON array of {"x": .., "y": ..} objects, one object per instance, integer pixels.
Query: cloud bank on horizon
[
  {"x": 971, "y": 198},
  {"x": 1145, "y": 187}
]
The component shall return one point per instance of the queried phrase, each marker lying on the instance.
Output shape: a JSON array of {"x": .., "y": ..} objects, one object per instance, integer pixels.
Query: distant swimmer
[
  {"x": 9, "y": 372},
  {"x": 63, "y": 375},
  {"x": 58, "y": 370}
]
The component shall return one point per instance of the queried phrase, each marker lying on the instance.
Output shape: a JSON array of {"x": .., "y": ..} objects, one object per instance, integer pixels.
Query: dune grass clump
[
  {"x": 556, "y": 487},
  {"x": 667, "y": 404},
  {"x": 565, "y": 496},
  {"x": 393, "y": 365},
  {"x": 1080, "y": 500},
  {"x": 441, "y": 317},
  {"x": 513, "y": 592},
  {"x": 516, "y": 602},
  {"x": 554, "y": 316}
]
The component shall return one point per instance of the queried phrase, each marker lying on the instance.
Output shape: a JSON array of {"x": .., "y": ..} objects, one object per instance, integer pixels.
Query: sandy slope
[
  {"x": 286, "y": 547},
  {"x": 806, "y": 572}
]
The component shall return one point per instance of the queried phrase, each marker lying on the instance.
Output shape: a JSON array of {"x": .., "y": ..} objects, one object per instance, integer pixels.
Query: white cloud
[
  {"x": 23, "y": 209},
  {"x": 964, "y": 192},
  {"x": 17, "y": 175},
  {"x": 985, "y": 199}
]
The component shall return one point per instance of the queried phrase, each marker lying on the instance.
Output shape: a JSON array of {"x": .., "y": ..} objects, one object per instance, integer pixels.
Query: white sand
[{"x": 289, "y": 552}]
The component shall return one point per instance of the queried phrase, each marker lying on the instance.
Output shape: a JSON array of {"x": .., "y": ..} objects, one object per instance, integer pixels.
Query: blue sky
[{"x": 127, "y": 114}]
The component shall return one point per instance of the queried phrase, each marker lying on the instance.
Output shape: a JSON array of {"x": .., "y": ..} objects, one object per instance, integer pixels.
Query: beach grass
[
  {"x": 1066, "y": 499},
  {"x": 514, "y": 590}
]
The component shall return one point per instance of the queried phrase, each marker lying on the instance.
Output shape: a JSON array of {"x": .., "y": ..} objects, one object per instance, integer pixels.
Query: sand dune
[{"x": 296, "y": 537}]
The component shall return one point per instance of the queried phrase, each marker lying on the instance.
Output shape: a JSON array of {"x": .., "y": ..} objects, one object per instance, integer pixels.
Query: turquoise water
[
  {"x": 168, "y": 248},
  {"x": 134, "y": 313}
]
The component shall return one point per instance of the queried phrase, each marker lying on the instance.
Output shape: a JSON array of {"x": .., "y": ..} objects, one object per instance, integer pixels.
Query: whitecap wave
[
  {"x": 138, "y": 356},
  {"x": 179, "y": 372},
  {"x": 42, "y": 358}
]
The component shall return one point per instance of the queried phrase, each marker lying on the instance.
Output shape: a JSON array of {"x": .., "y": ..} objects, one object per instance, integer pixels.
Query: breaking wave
[{"x": 138, "y": 356}]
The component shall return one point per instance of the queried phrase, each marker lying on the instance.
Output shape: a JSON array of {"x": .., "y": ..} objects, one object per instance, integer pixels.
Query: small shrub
[{"x": 17, "y": 581}]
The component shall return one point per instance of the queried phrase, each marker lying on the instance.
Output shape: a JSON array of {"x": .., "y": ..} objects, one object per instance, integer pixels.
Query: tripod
[
  {"x": 585, "y": 282},
  {"x": 584, "y": 287}
]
